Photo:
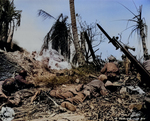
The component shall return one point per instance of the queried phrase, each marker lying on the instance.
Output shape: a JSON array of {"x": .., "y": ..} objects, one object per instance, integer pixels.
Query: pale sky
[{"x": 109, "y": 13}]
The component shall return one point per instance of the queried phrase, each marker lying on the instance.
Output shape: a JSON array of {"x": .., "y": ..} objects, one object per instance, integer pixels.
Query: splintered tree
[
  {"x": 9, "y": 19},
  {"x": 79, "y": 54},
  {"x": 58, "y": 34},
  {"x": 90, "y": 39},
  {"x": 141, "y": 29}
]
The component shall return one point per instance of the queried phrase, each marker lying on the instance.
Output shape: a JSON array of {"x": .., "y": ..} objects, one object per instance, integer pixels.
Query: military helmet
[
  {"x": 102, "y": 77},
  {"x": 111, "y": 58}
]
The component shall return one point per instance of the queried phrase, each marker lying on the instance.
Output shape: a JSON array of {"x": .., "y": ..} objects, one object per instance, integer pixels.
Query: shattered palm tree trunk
[
  {"x": 80, "y": 56},
  {"x": 145, "y": 50},
  {"x": 141, "y": 29},
  {"x": 137, "y": 64},
  {"x": 83, "y": 47}
]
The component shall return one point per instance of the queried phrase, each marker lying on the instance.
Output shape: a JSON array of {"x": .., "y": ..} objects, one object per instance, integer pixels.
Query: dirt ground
[
  {"x": 117, "y": 105},
  {"x": 114, "y": 106}
]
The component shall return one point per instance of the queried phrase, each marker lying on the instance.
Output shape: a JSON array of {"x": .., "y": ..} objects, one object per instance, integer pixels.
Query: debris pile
[
  {"x": 52, "y": 59},
  {"x": 126, "y": 98}
]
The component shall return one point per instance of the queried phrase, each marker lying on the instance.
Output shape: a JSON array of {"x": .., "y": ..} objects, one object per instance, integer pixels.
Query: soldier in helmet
[{"x": 110, "y": 69}]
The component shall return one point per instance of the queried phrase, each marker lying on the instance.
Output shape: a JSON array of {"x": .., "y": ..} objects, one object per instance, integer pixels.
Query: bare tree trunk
[
  {"x": 82, "y": 42},
  {"x": 10, "y": 36},
  {"x": 145, "y": 50},
  {"x": 80, "y": 56},
  {"x": 90, "y": 46}
]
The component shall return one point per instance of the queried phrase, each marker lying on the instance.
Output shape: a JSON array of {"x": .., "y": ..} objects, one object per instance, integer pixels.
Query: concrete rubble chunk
[
  {"x": 7, "y": 114},
  {"x": 135, "y": 89}
]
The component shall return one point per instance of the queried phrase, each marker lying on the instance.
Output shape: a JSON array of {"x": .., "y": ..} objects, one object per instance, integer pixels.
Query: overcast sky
[{"x": 109, "y": 13}]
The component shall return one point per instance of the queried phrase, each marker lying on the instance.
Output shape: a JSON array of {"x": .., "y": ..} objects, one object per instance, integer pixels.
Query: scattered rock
[
  {"x": 77, "y": 80},
  {"x": 135, "y": 106},
  {"x": 135, "y": 89},
  {"x": 68, "y": 106},
  {"x": 123, "y": 90}
]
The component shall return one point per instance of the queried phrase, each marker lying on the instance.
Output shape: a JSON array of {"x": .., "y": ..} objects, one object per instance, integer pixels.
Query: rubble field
[{"x": 128, "y": 100}]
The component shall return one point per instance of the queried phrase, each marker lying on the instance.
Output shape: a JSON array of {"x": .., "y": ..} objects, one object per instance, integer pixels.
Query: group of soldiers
[{"x": 95, "y": 88}]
